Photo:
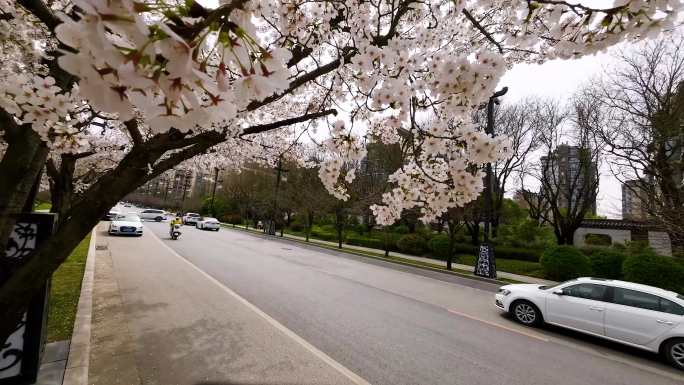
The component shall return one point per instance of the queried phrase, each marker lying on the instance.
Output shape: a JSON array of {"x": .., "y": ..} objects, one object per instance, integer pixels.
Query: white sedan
[
  {"x": 208, "y": 223},
  {"x": 642, "y": 316},
  {"x": 126, "y": 224}
]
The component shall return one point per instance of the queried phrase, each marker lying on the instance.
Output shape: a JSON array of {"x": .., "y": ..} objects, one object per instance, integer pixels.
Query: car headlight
[
  {"x": 115, "y": 227},
  {"x": 139, "y": 228},
  {"x": 504, "y": 292}
]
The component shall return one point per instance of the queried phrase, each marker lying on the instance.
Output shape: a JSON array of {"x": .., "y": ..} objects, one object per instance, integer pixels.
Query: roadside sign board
[
  {"x": 485, "y": 265},
  {"x": 20, "y": 354}
]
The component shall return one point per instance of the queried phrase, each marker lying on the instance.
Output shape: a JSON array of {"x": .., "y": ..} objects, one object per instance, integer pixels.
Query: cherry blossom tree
[{"x": 122, "y": 91}]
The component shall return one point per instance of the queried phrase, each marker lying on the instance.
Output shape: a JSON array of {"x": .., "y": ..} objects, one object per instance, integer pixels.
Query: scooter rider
[{"x": 177, "y": 221}]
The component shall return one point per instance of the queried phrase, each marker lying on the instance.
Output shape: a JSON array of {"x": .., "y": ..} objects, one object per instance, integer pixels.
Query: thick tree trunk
[
  {"x": 83, "y": 215},
  {"x": 19, "y": 168}
]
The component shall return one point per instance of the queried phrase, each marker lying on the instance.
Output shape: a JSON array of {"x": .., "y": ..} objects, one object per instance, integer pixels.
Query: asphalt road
[{"x": 396, "y": 325}]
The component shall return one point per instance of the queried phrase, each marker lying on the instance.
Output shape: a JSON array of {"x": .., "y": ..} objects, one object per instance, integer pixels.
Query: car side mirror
[{"x": 559, "y": 292}]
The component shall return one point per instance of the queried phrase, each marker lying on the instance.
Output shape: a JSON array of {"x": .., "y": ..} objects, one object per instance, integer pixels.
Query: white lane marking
[
  {"x": 355, "y": 378},
  {"x": 497, "y": 325}
]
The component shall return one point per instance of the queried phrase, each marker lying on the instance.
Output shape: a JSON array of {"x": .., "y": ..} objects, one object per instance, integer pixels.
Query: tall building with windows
[
  {"x": 572, "y": 173},
  {"x": 634, "y": 201}
]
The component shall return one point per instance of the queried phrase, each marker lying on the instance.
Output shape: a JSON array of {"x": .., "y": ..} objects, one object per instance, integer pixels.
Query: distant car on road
[
  {"x": 126, "y": 224},
  {"x": 208, "y": 223},
  {"x": 190, "y": 218},
  {"x": 638, "y": 315},
  {"x": 111, "y": 214},
  {"x": 153, "y": 215}
]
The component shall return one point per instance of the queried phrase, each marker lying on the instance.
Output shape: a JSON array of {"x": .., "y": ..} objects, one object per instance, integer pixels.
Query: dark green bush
[
  {"x": 439, "y": 247},
  {"x": 400, "y": 229},
  {"x": 521, "y": 254},
  {"x": 564, "y": 262},
  {"x": 606, "y": 263},
  {"x": 655, "y": 270},
  {"x": 412, "y": 244},
  {"x": 366, "y": 242},
  {"x": 297, "y": 226}
]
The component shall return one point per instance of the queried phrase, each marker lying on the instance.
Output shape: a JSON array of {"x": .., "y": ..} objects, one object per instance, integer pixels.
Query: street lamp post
[
  {"x": 279, "y": 170},
  {"x": 213, "y": 191},
  {"x": 486, "y": 262}
]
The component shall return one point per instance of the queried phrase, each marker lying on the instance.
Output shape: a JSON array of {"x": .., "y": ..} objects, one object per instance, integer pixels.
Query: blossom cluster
[
  {"x": 345, "y": 150},
  {"x": 130, "y": 62}
]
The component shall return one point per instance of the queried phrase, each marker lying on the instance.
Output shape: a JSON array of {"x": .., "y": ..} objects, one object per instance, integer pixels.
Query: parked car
[
  {"x": 111, "y": 214},
  {"x": 126, "y": 224},
  {"x": 153, "y": 215},
  {"x": 638, "y": 315},
  {"x": 190, "y": 218},
  {"x": 208, "y": 223}
]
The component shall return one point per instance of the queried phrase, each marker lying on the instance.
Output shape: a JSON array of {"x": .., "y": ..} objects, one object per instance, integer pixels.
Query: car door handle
[
  {"x": 595, "y": 308},
  {"x": 660, "y": 321}
]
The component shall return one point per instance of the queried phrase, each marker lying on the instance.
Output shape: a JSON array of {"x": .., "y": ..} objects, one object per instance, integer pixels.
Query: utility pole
[
  {"x": 213, "y": 191},
  {"x": 279, "y": 170},
  {"x": 486, "y": 262}
]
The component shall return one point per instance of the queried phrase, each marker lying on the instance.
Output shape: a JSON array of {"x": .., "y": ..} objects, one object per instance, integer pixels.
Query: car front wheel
[
  {"x": 158, "y": 219},
  {"x": 526, "y": 313},
  {"x": 674, "y": 352}
]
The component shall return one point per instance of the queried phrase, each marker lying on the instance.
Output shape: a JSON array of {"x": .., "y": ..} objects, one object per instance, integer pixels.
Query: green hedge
[
  {"x": 439, "y": 247},
  {"x": 564, "y": 262},
  {"x": 606, "y": 263},
  {"x": 366, "y": 242},
  {"x": 412, "y": 244},
  {"x": 651, "y": 269}
]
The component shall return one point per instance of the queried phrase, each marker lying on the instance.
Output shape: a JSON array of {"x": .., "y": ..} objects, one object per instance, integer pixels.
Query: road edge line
[{"x": 355, "y": 378}]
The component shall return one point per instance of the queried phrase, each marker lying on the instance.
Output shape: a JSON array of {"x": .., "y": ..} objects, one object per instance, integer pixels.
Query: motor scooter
[{"x": 175, "y": 232}]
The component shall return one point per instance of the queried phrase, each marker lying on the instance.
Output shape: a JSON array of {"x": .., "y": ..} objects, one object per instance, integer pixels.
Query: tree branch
[
  {"x": 482, "y": 30},
  {"x": 286, "y": 122}
]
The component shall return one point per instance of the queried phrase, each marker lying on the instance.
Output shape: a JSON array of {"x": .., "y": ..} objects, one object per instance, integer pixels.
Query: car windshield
[
  {"x": 193, "y": 215},
  {"x": 548, "y": 287},
  {"x": 128, "y": 218}
]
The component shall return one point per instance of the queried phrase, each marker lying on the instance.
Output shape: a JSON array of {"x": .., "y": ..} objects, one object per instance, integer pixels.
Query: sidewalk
[
  {"x": 159, "y": 320},
  {"x": 457, "y": 266}
]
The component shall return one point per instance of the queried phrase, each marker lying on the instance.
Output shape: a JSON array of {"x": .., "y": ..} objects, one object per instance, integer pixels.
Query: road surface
[{"x": 391, "y": 324}]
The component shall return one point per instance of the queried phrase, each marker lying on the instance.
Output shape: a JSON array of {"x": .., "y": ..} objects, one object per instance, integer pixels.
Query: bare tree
[
  {"x": 641, "y": 101},
  {"x": 520, "y": 122},
  {"x": 568, "y": 171}
]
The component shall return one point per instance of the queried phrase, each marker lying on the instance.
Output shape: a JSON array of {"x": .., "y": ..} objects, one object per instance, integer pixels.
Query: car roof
[{"x": 632, "y": 285}]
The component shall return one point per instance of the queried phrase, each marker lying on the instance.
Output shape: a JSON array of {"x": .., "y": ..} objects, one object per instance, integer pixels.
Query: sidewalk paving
[
  {"x": 458, "y": 266},
  {"x": 159, "y": 320}
]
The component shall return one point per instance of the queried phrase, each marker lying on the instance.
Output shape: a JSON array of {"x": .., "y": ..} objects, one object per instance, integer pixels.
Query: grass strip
[{"x": 65, "y": 292}]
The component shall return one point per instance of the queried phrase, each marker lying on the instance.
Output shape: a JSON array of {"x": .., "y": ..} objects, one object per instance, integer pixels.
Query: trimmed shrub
[
  {"x": 400, "y": 229},
  {"x": 606, "y": 263},
  {"x": 564, "y": 262},
  {"x": 521, "y": 254},
  {"x": 366, "y": 242},
  {"x": 439, "y": 247},
  {"x": 412, "y": 244},
  {"x": 297, "y": 226},
  {"x": 655, "y": 270}
]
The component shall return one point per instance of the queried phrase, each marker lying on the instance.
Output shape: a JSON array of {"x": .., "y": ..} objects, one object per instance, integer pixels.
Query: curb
[
  {"x": 78, "y": 362},
  {"x": 362, "y": 254}
]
